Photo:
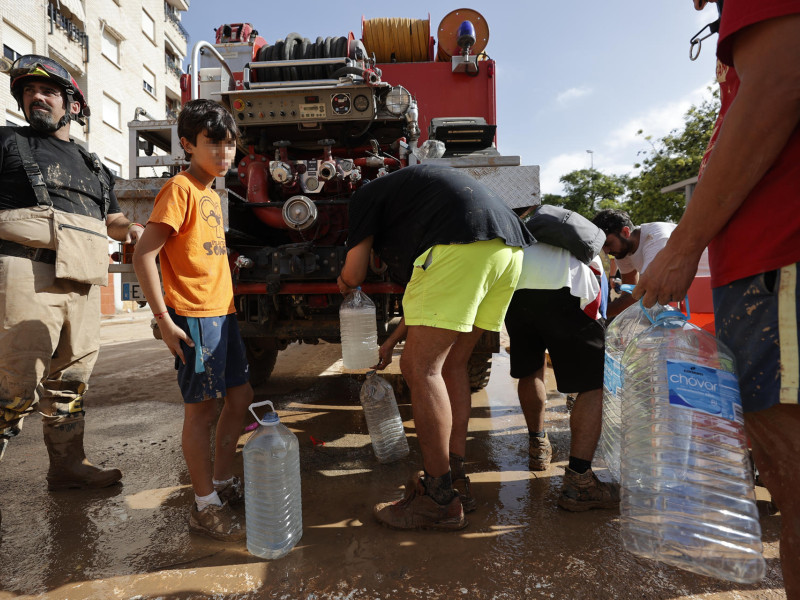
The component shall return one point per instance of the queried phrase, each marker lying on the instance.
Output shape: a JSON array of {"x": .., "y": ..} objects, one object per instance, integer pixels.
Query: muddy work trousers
[{"x": 49, "y": 339}]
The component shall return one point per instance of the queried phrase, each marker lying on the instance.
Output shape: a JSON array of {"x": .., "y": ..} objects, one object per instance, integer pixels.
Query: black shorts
[{"x": 552, "y": 320}]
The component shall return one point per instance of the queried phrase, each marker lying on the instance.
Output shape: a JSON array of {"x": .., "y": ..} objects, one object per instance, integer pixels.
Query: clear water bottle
[
  {"x": 687, "y": 489},
  {"x": 625, "y": 326},
  {"x": 359, "y": 331},
  {"x": 273, "y": 510},
  {"x": 383, "y": 419}
]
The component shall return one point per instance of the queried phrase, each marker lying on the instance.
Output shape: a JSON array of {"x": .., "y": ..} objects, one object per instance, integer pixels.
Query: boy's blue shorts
[{"x": 224, "y": 359}]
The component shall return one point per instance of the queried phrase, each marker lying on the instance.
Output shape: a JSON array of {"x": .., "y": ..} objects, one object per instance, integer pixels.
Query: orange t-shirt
[{"x": 194, "y": 259}]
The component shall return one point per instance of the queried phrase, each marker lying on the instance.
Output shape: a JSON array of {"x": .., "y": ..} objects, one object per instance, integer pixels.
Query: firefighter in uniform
[{"x": 57, "y": 206}]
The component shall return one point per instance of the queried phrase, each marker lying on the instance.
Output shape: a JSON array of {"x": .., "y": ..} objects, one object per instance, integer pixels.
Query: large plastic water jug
[
  {"x": 687, "y": 495},
  {"x": 359, "y": 331},
  {"x": 383, "y": 419},
  {"x": 273, "y": 509},
  {"x": 625, "y": 326}
]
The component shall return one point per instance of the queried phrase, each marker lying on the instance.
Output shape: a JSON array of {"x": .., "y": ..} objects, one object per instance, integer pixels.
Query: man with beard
[
  {"x": 57, "y": 206},
  {"x": 634, "y": 248}
]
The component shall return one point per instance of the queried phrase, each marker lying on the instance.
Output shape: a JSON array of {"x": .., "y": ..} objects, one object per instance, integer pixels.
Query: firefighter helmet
[{"x": 42, "y": 67}]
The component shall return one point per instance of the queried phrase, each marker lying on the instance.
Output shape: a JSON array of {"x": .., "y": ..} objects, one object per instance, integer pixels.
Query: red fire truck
[{"x": 318, "y": 118}]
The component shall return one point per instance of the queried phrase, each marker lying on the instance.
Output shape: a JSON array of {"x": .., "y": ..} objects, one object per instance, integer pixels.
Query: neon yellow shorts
[{"x": 460, "y": 285}]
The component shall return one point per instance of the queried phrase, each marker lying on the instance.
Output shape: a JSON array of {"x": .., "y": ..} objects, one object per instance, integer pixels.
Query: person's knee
[
  {"x": 201, "y": 414},
  {"x": 592, "y": 396},
  {"x": 240, "y": 397}
]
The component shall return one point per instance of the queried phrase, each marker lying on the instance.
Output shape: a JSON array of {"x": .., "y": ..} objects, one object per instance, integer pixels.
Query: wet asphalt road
[{"x": 131, "y": 541}]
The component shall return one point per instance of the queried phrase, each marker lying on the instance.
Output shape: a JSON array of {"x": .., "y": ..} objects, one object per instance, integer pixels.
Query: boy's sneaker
[
  {"x": 584, "y": 491},
  {"x": 541, "y": 452},
  {"x": 417, "y": 510},
  {"x": 217, "y": 522},
  {"x": 468, "y": 501},
  {"x": 231, "y": 492}
]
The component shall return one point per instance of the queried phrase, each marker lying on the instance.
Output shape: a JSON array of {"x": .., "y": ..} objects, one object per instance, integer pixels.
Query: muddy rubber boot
[{"x": 69, "y": 468}]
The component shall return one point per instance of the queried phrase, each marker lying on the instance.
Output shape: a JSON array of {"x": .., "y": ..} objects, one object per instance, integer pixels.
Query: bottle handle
[
  {"x": 627, "y": 287},
  {"x": 256, "y": 405}
]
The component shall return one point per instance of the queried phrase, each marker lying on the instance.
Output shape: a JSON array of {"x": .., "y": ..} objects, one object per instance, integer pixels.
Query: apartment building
[{"x": 126, "y": 56}]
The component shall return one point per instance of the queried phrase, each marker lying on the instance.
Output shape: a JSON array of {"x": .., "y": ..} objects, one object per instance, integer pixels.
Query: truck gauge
[
  {"x": 361, "y": 103},
  {"x": 340, "y": 103}
]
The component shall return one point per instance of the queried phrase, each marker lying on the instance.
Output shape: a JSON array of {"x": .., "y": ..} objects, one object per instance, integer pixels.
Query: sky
[{"x": 571, "y": 76}]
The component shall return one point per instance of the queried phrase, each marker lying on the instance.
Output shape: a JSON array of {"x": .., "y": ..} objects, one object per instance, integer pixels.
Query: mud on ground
[{"x": 131, "y": 541}]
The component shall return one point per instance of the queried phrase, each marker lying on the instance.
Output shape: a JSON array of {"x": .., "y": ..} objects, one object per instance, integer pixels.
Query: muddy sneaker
[
  {"x": 584, "y": 491},
  {"x": 231, "y": 492},
  {"x": 218, "y": 522},
  {"x": 540, "y": 452},
  {"x": 417, "y": 510},
  {"x": 468, "y": 501}
]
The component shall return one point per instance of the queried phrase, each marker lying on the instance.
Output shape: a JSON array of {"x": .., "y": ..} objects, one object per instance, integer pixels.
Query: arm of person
[
  {"x": 122, "y": 230},
  {"x": 355, "y": 266},
  {"x": 144, "y": 263},
  {"x": 386, "y": 349},
  {"x": 757, "y": 126},
  {"x": 617, "y": 305}
]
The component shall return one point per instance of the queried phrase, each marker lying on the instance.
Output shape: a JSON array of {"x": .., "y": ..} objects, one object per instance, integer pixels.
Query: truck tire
[
  {"x": 261, "y": 356},
  {"x": 480, "y": 367}
]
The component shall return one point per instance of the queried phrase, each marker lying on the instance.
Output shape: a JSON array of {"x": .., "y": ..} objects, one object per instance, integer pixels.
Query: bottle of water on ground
[
  {"x": 687, "y": 489},
  {"x": 273, "y": 509},
  {"x": 359, "y": 331},
  {"x": 625, "y": 326},
  {"x": 383, "y": 419}
]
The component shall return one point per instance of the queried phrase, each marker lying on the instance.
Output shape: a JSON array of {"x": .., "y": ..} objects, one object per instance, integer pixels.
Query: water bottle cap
[{"x": 671, "y": 314}]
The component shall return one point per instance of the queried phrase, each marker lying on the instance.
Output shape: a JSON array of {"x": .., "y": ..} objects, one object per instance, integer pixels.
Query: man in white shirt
[
  {"x": 634, "y": 249},
  {"x": 555, "y": 308}
]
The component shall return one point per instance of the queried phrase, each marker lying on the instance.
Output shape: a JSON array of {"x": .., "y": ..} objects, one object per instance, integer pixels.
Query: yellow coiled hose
[{"x": 397, "y": 39}]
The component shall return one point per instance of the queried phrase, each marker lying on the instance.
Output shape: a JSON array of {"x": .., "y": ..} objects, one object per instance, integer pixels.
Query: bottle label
[
  {"x": 709, "y": 390},
  {"x": 612, "y": 375}
]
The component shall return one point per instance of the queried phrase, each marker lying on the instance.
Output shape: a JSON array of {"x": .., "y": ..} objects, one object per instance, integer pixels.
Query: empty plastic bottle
[
  {"x": 383, "y": 419},
  {"x": 359, "y": 331},
  {"x": 625, "y": 326},
  {"x": 687, "y": 487},
  {"x": 273, "y": 509}
]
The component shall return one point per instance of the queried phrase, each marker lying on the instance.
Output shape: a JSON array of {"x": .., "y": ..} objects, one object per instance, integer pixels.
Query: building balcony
[
  {"x": 67, "y": 37},
  {"x": 179, "y": 4},
  {"x": 171, "y": 15}
]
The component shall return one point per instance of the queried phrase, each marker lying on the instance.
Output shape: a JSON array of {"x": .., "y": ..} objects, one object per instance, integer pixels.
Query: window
[
  {"x": 149, "y": 81},
  {"x": 148, "y": 26},
  {"x": 113, "y": 166},
  {"x": 110, "y": 46},
  {"x": 111, "y": 110},
  {"x": 15, "y": 44}
]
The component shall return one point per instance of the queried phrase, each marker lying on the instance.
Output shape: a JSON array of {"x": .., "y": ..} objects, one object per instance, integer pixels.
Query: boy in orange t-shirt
[{"x": 196, "y": 315}]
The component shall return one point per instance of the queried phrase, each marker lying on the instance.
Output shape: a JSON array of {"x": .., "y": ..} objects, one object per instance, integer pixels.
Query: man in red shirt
[{"x": 746, "y": 208}]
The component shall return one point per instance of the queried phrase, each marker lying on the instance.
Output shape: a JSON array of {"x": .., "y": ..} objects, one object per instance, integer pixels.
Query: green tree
[
  {"x": 589, "y": 190},
  {"x": 671, "y": 159}
]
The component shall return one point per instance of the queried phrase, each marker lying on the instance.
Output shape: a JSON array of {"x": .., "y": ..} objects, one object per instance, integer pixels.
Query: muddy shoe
[
  {"x": 417, "y": 510},
  {"x": 541, "y": 452},
  {"x": 217, "y": 522},
  {"x": 468, "y": 501},
  {"x": 231, "y": 492},
  {"x": 584, "y": 491}
]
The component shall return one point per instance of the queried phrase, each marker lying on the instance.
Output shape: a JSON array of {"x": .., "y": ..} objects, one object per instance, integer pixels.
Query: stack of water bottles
[
  {"x": 687, "y": 496},
  {"x": 359, "y": 331},
  {"x": 383, "y": 419},
  {"x": 272, "y": 503}
]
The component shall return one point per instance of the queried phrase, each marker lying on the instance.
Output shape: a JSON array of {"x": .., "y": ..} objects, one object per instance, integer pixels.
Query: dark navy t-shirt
[
  {"x": 71, "y": 183},
  {"x": 422, "y": 206}
]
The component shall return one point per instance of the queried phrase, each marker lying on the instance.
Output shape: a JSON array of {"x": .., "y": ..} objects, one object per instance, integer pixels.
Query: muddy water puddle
[{"x": 132, "y": 541}]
